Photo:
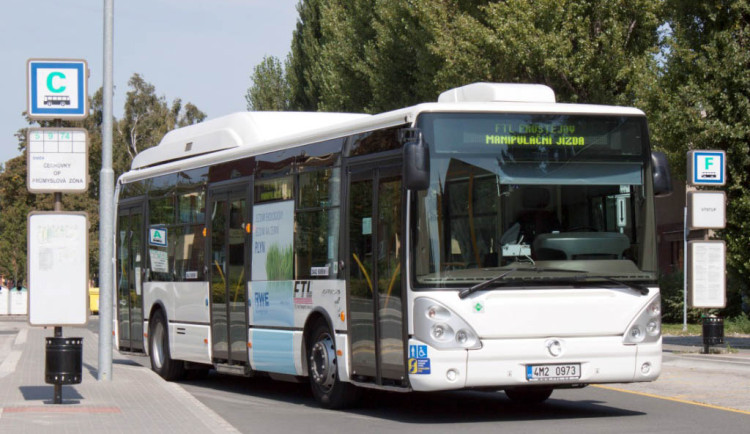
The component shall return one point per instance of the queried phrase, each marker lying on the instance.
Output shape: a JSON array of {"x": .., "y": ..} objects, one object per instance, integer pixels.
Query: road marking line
[
  {"x": 21, "y": 337},
  {"x": 667, "y": 398},
  {"x": 9, "y": 364}
]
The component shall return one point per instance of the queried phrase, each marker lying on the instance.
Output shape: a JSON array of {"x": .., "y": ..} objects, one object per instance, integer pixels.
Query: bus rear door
[
  {"x": 129, "y": 275},
  {"x": 228, "y": 272}
]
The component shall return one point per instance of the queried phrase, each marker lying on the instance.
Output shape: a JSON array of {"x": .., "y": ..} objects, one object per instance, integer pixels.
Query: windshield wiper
[
  {"x": 480, "y": 286},
  {"x": 634, "y": 286},
  {"x": 583, "y": 275}
]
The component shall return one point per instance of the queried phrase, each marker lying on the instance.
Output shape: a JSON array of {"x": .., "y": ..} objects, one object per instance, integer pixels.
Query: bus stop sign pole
[{"x": 106, "y": 215}]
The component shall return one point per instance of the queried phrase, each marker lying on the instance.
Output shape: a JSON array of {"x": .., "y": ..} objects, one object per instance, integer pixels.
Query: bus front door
[
  {"x": 129, "y": 277},
  {"x": 373, "y": 264},
  {"x": 227, "y": 274}
]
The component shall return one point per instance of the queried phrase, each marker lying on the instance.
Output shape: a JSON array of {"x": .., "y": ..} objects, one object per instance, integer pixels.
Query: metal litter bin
[
  {"x": 713, "y": 331},
  {"x": 64, "y": 361}
]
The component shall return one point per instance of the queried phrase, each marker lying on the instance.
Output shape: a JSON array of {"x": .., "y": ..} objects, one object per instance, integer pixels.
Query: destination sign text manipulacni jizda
[{"x": 534, "y": 134}]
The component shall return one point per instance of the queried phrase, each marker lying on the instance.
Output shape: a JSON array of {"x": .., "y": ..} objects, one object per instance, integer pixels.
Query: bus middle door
[
  {"x": 374, "y": 255},
  {"x": 227, "y": 274}
]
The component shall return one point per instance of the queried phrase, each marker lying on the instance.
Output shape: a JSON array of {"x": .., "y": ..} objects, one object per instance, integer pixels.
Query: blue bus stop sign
[
  {"x": 707, "y": 168},
  {"x": 57, "y": 89}
]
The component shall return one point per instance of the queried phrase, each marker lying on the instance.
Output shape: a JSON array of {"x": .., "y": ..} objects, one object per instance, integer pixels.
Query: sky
[{"x": 201, "y": 51}]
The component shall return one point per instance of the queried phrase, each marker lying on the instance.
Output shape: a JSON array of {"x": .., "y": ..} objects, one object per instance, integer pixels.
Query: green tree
[
  {"x": 147, "y": 118},
  {"x": 302, "y": 61},
  {"x": 400, "y": 64},
  {"x": 15, "y": 204},
  {"x": 702, "y": 101},
  {"x": 377, "y": 55},
  {"x": 589, "y": 51},
  {"x": 269, "y": 91},
  {"x": 346, "y": 32}
]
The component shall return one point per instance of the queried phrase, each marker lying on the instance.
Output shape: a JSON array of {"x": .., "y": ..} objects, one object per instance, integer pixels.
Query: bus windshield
[{"x": 533, "y": 190}]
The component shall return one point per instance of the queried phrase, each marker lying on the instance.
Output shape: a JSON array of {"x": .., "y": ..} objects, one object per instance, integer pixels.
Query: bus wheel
[
  {"x": 322, "y": 368},
  {"x": 528, "y": 395},
  {"x": 158, "y": 344}
]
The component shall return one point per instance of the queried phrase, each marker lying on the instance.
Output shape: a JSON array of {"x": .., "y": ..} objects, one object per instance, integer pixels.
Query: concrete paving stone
[{"x": 135, "y": 400}]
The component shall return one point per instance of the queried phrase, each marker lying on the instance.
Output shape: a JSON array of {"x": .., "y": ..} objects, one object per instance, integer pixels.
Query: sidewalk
[
  {"x": 717, "y": 380},
  {"x": 135, "y": 400}
]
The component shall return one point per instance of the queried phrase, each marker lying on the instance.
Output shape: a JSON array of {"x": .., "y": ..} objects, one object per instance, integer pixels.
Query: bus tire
[
  {"x": 158, "y": 345},
  {"x": 322, "y": 369},
  {"x": 529, "y": 395}
]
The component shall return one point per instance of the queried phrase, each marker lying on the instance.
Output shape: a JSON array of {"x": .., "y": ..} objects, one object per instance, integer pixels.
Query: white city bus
[{"x": 494, "y": 240}]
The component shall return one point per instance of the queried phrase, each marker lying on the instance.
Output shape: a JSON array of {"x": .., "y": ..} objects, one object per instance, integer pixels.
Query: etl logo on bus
[{"x": 302, "y": 289}]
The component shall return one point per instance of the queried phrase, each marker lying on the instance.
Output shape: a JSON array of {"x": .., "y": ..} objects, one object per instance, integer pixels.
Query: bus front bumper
[{"x": 502, "y": 363}]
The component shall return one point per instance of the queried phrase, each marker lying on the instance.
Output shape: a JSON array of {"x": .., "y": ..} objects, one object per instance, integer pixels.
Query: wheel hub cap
[{"x": 323, "y": 362}]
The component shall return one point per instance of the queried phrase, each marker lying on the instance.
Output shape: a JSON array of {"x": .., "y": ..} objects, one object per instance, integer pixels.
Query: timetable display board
[
  {"x": 707, "y": 274},
  {"x": 57, "y": 160},
  {"x": 58, "y": 268}
]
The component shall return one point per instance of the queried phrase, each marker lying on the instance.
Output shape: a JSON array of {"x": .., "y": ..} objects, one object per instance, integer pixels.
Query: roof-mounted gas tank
[{"x": 499, "y": 92}]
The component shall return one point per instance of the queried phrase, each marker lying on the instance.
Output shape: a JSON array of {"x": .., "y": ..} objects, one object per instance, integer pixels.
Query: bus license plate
[{"x": 570, "y": 371}]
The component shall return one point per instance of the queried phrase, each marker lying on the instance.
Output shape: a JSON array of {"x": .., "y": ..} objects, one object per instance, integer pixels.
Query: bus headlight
[
  {"x": 441, "y": 328},
  {"x": 441, "y": 332},
  {"x": 646, "y": 327}
]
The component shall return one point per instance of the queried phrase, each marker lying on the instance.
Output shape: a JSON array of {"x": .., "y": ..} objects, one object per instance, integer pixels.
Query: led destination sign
[
  {"x": 535, "y": 134},
  {"x": 525, "y": 136}
]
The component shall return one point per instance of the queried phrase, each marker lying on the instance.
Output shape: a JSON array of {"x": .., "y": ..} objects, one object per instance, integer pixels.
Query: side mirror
[
  {"x": 660, "y": 171},
  {"x": 416, "y": 161}
]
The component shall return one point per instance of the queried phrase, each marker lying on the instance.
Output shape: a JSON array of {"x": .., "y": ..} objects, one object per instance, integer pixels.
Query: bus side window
[{"x": 317, "y": 224}]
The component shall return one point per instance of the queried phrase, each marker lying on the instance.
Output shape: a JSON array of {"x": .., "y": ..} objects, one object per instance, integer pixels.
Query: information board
[
  {"x": 58, "y": 268},
  {"x": 707, "y": 210},
  {"x": 57, "y": 160},
  {"x": 706, "y": 274}
]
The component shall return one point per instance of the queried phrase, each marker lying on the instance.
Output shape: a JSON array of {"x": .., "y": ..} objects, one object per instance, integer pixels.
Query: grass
[
  {"x": 731, "y": 327},
  {"x": 676, "y": 330}
]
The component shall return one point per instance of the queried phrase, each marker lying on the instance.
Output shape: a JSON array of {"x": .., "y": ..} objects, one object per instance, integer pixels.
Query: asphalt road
[{"x": 261, "y": 405}]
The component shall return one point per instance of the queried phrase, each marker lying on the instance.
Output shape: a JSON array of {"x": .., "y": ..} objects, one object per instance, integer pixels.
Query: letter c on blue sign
[{"x": 51, "y": 86}]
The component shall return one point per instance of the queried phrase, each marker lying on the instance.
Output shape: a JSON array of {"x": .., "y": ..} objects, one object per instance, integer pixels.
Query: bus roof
[
  {"x": 251, "y": 133},
  {"x": 246, "y": 129}
]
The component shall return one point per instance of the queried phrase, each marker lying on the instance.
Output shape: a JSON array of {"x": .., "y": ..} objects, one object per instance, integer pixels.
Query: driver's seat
[{"x": 536, "y": 219}]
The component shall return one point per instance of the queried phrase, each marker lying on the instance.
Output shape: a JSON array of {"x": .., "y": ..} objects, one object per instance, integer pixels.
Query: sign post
[
  {"x": 705, "y": 260},
  {"x": 57, "y": 162}
]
